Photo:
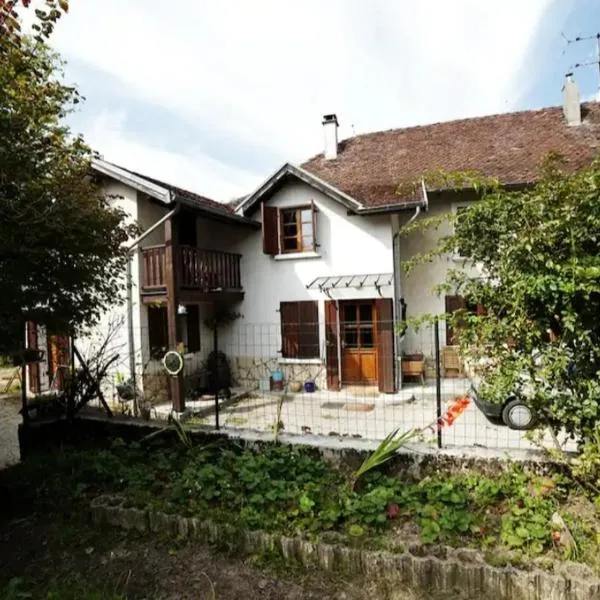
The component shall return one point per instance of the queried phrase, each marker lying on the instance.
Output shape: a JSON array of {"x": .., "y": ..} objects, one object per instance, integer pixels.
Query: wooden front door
[{"x": 359, "y": 343}]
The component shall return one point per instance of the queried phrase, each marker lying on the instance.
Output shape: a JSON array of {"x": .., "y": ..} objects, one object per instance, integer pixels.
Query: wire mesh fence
[
  {"x": 359, "y": 379},
  {"x": 354, "y": 377}
]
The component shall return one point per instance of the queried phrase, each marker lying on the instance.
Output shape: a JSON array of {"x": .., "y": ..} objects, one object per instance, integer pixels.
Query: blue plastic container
[
  {"x": 277, "y": 375},
  {"x": 309, "y": 387}
]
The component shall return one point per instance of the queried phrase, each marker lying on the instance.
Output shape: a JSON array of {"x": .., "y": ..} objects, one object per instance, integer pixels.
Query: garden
[{"x": 511, "y": 513}]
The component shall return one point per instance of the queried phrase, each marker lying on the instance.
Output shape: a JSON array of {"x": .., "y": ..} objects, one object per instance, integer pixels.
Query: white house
[{"x": 310, "y": 262}]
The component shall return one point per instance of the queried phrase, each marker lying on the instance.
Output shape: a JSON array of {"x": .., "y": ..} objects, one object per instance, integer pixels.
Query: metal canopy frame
[{"x": 326, "y": 284}]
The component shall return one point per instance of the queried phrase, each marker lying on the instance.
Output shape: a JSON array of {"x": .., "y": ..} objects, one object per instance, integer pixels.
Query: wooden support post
[{"x": 172, "y": 284}]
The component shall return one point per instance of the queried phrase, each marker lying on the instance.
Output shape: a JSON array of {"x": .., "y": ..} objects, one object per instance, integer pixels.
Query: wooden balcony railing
[{"x": 197, "y": 269}]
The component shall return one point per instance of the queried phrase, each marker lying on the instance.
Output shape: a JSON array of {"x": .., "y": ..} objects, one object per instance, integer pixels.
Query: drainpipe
[
  {"x": 131, "y": 248},
  {"x": 397, "y": 286}
]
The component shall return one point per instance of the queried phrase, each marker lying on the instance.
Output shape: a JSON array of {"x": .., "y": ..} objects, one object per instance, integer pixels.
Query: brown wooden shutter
[
  {"x": 314, "y": 225},
  {"x": 157, "y": 330},
  {"x": 270, "y": 229},
  {"x": 385, "y": 345},
  {"x": 308, "y": 334},
  {"x": 290, "y": 319},
  {"x": 453, "y": 303},
  {"x": 193, "y": 328},
  {"x": 331, "y": 341},
  {"x": 33, "y": 368}
]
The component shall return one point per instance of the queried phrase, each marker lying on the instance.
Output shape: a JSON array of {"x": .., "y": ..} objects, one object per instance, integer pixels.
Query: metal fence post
[{"x": 438, "y": 382}]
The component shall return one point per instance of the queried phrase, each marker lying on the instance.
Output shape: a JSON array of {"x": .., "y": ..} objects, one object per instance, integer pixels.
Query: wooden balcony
[{"x": 199, "y": 272}]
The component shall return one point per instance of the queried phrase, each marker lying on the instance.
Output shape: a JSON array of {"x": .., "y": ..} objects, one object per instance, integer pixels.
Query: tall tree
[{"x": 61, "y": 240}]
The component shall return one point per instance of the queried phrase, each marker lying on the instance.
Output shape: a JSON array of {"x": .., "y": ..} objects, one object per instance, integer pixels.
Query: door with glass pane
[{"x": 359, "y": 348}]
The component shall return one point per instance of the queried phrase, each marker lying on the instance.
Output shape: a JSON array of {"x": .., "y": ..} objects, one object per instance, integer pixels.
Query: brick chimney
[
  {"x": 330, "y": 134},
  {"x": 571, "y": 101}
]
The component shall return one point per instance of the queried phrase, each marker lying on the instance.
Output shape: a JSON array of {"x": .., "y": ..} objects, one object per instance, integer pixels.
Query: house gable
[{"x": 289, "y": 172}]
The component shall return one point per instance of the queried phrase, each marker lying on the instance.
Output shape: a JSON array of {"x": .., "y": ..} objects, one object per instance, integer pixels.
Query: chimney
[
  {"x": 330, "y": 133},
  {"x": 571, "y": 105}
]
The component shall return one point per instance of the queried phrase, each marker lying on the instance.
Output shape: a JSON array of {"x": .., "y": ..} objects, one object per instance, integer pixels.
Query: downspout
[
  {"x": 131, "y": 248},
  {"x": 398, "y": 288}
]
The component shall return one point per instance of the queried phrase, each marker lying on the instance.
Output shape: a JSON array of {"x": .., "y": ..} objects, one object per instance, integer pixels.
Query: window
[
  {"x": 358, "y": 330},
  {"x": 299, "y": 329},
  {"x": 297, "y": 229},
  {"x": 289, "y": 230},
  {"x": 456, "y": 303},
  {"x": 158, "y": 331},
  {"x": 188, "y": 330}
]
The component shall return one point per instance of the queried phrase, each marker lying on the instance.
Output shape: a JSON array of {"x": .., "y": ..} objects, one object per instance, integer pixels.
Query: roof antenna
[{"x": 595, "y": 62}]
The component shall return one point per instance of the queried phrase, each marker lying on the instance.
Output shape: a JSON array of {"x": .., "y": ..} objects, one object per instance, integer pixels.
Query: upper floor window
[
  {"x": 289, "y": 230},
  {"x": 297, "y": 229}
]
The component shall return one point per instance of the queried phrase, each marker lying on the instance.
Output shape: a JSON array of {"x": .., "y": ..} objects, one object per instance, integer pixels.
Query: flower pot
[
  {"x": 295, "y": 387},
  {"x": 309, "y": 387}
]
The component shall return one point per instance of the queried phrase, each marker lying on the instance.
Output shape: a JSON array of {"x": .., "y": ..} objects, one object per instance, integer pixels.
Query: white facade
[{"x": 347, "y": 245}]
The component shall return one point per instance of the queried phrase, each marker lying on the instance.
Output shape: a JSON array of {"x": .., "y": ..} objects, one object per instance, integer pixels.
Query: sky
[{"x": 216, "y": 95}]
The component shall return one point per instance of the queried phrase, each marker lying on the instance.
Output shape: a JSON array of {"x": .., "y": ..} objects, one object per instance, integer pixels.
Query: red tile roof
[{"x": 509, "y": 147}]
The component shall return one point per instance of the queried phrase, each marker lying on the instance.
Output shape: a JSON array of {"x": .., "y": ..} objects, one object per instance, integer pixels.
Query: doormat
[
  {"x": 333, "y": 405},
  {"x": 362, "y": 391},
  {"x": 359, "y": 407}
]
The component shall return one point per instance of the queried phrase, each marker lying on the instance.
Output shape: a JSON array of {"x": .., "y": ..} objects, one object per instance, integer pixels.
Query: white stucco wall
[
  {"x": 115, "y": 319},
  {"x": 348, "y": 245},
  {"x": 417, "y": 287}
]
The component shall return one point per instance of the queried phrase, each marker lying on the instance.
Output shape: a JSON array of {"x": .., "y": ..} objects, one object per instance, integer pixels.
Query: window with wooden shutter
[
  {"x": 287, "y": 230},
  {"x": 299, "y": 329},
  {"x": 456, "y": 303}
]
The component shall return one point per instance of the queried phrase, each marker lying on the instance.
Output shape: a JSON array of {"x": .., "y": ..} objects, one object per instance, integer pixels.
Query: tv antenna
[{"x": 589, "y": 63}]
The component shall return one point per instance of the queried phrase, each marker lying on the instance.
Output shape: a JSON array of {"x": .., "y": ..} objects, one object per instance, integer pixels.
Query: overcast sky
[{"x": 215, "y": 95}]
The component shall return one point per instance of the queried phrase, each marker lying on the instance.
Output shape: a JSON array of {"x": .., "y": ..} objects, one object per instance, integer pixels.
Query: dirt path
[
  {"x": 68, "y": 553},
  {"x": 9, "y": 421}
]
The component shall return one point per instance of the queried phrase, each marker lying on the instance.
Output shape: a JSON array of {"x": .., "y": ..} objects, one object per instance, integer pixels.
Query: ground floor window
[
  {"x": 188, "y": 329},
  {"x": 299, "y": 329}
]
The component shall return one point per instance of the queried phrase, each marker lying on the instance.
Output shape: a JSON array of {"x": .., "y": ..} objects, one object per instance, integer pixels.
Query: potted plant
[{"x": 124, "y": 387}]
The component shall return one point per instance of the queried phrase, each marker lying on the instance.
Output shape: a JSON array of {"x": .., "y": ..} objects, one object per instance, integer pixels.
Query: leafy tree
[
  {"x": 537, "y": 252},
  {"x": 61, "y": 241}
]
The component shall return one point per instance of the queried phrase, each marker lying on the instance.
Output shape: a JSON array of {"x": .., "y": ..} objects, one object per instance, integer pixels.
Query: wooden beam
[{"x": 172, "y": 283}]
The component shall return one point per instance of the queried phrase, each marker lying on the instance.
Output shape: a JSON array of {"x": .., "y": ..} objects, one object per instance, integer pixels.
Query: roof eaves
[
  {"x": 136, "y": 182},
  {"x": 218, "y": 214},
  {"x": 391, "y": 208}
]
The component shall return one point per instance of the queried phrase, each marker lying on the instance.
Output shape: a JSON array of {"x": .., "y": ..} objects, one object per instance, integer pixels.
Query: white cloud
[
  {"x": 194, "y": 170},
  {"x": 264, "y": 72}
]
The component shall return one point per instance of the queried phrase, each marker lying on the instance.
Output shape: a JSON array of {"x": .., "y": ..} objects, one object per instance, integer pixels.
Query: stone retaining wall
[
  {"x": 451, "y": 570},
  {"x": 247, "y": 371}
]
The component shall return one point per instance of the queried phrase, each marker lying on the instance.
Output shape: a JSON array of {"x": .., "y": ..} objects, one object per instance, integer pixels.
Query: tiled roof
[
  {"x": 197, "y": 199},
  {"x": 508, "y": 147}
]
